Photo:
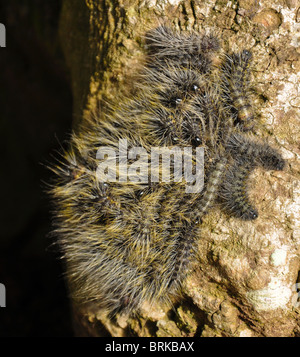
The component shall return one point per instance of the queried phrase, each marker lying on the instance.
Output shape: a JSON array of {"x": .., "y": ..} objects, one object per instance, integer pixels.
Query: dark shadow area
[{"x": 35, "y": 116}]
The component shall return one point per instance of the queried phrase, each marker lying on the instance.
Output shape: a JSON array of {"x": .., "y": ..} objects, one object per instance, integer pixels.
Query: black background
[{"x": 35, "y": 117}]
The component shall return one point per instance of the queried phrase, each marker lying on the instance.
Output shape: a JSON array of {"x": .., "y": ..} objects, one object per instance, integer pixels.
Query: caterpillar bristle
[
  {"x": 130, "y": 241},
  {"x": 233, "y": 192},
  {"x": 235, "y": 72}
]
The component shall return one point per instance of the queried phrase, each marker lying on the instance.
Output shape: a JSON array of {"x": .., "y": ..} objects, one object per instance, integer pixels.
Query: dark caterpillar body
[
  {"x": 236, "y": 79},
  {"x": 234, "y": 192},
  {"x": 187, "y": 50},
  {"x": 130, "y": 242}
]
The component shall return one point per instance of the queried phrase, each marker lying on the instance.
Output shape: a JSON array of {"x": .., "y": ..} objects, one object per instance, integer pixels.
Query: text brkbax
[{"x": 162, "y": 164}]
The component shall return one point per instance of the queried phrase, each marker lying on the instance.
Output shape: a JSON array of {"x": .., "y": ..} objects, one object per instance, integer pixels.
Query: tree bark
[{"x": 245, "y": 281}]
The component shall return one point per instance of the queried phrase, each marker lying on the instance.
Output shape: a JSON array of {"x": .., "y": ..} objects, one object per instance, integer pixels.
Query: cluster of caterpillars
[{"x": 126, "y": 243}]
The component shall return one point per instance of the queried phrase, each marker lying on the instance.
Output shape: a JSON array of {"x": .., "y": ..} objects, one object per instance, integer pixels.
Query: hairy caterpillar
[
  {"x": 236, "y": 78},
  {"x": 130, "y": 242}
]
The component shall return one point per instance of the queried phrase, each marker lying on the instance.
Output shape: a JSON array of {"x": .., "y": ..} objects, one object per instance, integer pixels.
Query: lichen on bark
[{"x": 245, "y": 280}]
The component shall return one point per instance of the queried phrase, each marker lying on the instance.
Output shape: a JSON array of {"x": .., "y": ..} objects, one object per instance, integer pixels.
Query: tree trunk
[{"x": 245, "y": 282}]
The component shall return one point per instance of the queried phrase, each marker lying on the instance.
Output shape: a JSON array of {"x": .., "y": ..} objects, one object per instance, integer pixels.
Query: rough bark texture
[{"x": 245, "y": 284}]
